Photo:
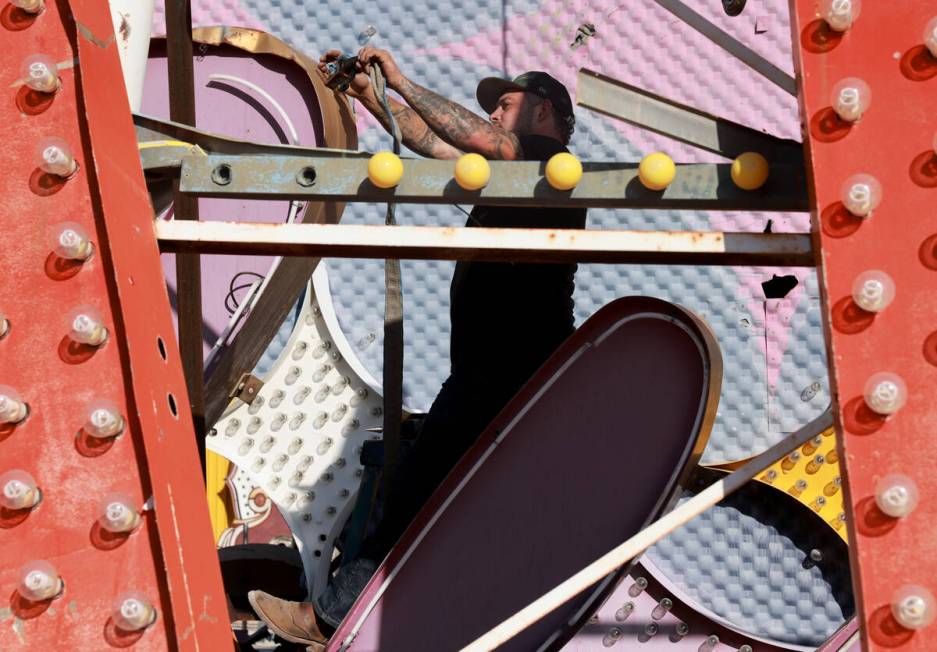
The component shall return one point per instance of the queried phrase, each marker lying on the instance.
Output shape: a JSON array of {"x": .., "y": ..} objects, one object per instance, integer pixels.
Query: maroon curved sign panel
[{"x": 589, "y": 452}]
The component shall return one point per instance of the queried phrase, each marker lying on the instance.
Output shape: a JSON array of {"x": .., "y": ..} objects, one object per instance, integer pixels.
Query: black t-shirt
[{"x": 507, "y": 318}]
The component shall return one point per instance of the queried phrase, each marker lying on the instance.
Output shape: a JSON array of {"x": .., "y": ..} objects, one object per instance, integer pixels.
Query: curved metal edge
[
  {"x": 323, "y": 293},
  {"x": 292, "y": 275},
  {"x": 501, "y": 426},
  {"x": 705, "y": 339},
  {"x": 675, "y": 589}
]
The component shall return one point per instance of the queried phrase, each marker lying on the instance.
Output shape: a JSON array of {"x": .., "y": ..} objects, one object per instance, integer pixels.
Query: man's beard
[{"x": 525, "y": 122}]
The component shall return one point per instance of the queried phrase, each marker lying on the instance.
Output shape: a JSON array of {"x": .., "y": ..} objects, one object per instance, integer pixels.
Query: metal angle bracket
[{"x": 661, "y": 115}]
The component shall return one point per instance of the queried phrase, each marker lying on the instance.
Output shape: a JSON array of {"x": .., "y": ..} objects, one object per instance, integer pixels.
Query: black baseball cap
[{"x": 539, "y": 83}]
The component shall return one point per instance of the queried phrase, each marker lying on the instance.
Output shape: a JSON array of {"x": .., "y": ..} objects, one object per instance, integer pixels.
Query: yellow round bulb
[
  {"x": 656, "y": 171},
  {"x": 563, "y": 171},
  {"x": 385, "y": 169},
  {"x": 750, "y": 171},
  {"x": 472, "y": 171}
]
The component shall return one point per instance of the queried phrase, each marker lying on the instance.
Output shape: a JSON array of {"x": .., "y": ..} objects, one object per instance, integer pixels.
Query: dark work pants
[{"x": 461, "y": 412}]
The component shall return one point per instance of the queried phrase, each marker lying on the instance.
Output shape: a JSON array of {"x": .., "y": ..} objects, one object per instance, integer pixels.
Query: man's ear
[{"x": 545, "y": 110}]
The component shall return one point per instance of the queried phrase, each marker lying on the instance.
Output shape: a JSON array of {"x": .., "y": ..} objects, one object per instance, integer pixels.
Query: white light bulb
[
  {"x": 850, "y": 98},
  {"x": 300, "y": 350},
  {"x": 709, "y": 644},
  {"x": 29, "y": 6},
  {"x": 662, "y": 608},
  {"x": 873, "y": 290},
  {"x": 18, "y": 490},
  {"x": 55, "y": 157},
  {"x": 39, "y": 581},
  {"x": 885, "y": 393},
  {"x": 86, "y": 326},
  {"x": 321, "y": 349},
  {"x": 12, "y": 407},
  {"x": 104, "y": 420},
  {"x": 118, "y": 513},
  {"x": 321, "y": 419},
  {"x": 133, "y": 612},
  {"x": 40, "y": 73},
  {"x": 896, "y": 495},
  {"x": 913, "y": 606},
  {"x": 840, "y": 14},
  {"x": 70, "y": 240},
  {"x": 861, "y": 194},
  {"x": 930, "y": 37}
]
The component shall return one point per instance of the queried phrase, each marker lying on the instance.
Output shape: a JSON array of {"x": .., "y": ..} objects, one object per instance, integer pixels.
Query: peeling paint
[
  {"x": 88, "y": 35},
  {"x": 184, "y": 571},
  {"x": 20, "y": 630},
  {"x": 5, "y": 613},
  {"x": 124, "y": 29},
  {"x": 205, "y": 615}
]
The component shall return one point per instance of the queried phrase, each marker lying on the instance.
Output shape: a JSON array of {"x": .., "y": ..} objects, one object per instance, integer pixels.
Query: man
[{"x": 506, "y": 318}]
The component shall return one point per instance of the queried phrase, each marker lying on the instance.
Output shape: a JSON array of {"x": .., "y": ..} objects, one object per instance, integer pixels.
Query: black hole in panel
[{"x": 172, "y": 405}]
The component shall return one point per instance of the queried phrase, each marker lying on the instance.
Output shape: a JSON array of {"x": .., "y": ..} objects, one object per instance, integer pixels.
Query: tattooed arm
[
  {"x": 414, "y": 132},
  {"x": 450, "y": 121}
]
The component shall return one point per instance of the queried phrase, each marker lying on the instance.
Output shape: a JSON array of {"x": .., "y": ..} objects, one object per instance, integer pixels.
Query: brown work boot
[{"x": 292, "y": 621}]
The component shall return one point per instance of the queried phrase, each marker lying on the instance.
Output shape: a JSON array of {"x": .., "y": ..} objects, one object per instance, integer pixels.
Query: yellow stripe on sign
[
  {"x": 216, "y": 471},
  {"x": 812, "y": 475},
  {"x": 149, "y": 144}
]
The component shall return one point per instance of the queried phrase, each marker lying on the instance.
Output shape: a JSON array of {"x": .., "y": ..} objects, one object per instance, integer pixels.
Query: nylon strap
[{"x": 393, "y": 326}]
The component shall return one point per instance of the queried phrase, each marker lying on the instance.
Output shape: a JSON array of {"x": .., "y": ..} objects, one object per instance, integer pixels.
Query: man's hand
[
  {"x": 369, "y": 56},
  {"x": 359, "y": 84}
]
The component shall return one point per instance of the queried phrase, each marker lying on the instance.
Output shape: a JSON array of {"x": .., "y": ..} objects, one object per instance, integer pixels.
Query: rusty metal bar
[
  {"x": 514, "y": 183},
  {"x": 446, "y": 243}
]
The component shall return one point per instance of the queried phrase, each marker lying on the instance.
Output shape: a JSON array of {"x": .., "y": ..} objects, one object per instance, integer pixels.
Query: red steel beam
[
  {"x": 892, "y": 141},
  {"x": 170, "y": 557}
]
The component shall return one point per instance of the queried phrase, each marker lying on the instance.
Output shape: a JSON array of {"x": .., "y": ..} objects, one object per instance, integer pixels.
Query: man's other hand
[
  {"x": 369, "y": 56},
  {"x": 359, "y": 83}
]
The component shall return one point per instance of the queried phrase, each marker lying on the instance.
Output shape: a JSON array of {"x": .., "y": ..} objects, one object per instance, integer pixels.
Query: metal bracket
[{"x": 247, "y": 388}]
